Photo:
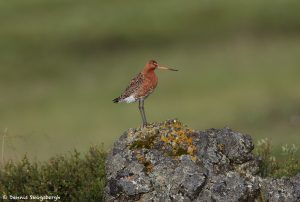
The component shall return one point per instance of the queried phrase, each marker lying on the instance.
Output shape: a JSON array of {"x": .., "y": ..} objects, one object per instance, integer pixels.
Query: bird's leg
[{"x": 142, "y": 111}]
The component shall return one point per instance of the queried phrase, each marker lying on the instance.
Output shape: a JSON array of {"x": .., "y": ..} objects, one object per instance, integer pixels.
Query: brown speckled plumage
[{"x": 132, "y": 88}]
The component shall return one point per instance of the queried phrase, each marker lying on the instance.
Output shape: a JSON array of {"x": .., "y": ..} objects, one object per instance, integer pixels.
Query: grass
[
  {"x": 62, "y": 62},
  {"x": 286, "y": 166}
]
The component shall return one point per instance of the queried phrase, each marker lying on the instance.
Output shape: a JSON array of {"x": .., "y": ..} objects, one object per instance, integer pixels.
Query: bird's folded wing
[{"x": 134, "y": 86}]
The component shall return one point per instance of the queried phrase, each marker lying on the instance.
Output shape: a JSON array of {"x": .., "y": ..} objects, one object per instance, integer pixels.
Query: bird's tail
[{"x": 116, "y": 100}]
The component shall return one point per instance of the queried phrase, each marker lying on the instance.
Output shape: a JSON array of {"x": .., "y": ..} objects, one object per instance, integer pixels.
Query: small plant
[
  {"x": 272, "y": 167},
  {"x": 264, "y": 152}
]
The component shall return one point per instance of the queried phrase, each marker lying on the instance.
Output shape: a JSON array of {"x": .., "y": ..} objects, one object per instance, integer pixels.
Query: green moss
[
  {"x": 145, "y": 142},
  {"x": 180, "y": 151}
]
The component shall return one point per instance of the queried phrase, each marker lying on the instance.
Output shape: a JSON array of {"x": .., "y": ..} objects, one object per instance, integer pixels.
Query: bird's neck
[
  {"x": 148, "y": 71},
  {"x": 150, "y": 77}
]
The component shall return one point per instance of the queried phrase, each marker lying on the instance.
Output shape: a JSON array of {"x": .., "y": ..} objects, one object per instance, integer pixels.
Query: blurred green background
[{"x": 63, "y": 61}]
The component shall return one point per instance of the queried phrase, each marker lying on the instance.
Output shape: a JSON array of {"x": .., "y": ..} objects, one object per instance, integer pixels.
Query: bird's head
[{"x": 152, "y": 65}]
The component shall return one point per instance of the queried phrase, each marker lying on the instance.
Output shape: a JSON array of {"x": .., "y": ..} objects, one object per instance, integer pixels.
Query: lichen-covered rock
[
  {"x": 170, "y": 162},
  {"x": 284, "y": 189}
]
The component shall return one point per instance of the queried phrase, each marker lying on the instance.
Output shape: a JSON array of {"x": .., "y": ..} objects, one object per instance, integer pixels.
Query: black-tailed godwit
[{"x": 141, "y": 87}]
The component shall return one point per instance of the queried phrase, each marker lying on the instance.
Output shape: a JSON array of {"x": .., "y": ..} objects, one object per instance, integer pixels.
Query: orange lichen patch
[
  {"x": 177, "y": 125},
  {"x": 178, "y": 139},
  {"x": 221, "y": 147},
  {"x": 171, "y": 137},
  {"x": 191, "y": 150}
]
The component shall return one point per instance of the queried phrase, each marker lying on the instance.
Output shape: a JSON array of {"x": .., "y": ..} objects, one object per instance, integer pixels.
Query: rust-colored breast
[{"x": 148, "y": 85}]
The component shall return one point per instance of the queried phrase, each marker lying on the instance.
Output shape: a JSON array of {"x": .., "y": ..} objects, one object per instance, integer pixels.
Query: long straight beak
[{"x": 166, "y": 68}]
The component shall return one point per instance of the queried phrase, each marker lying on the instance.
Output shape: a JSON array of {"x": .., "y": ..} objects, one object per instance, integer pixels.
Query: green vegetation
[
  {"x": 62, "y": 62},
  {"x": 72, "y": 177},
  {"x": 75, "y": 177},
  {"x": 271, "y": 167}
]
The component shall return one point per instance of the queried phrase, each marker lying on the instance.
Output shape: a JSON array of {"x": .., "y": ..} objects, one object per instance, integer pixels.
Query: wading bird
[{"x": 141, "y": 87}]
